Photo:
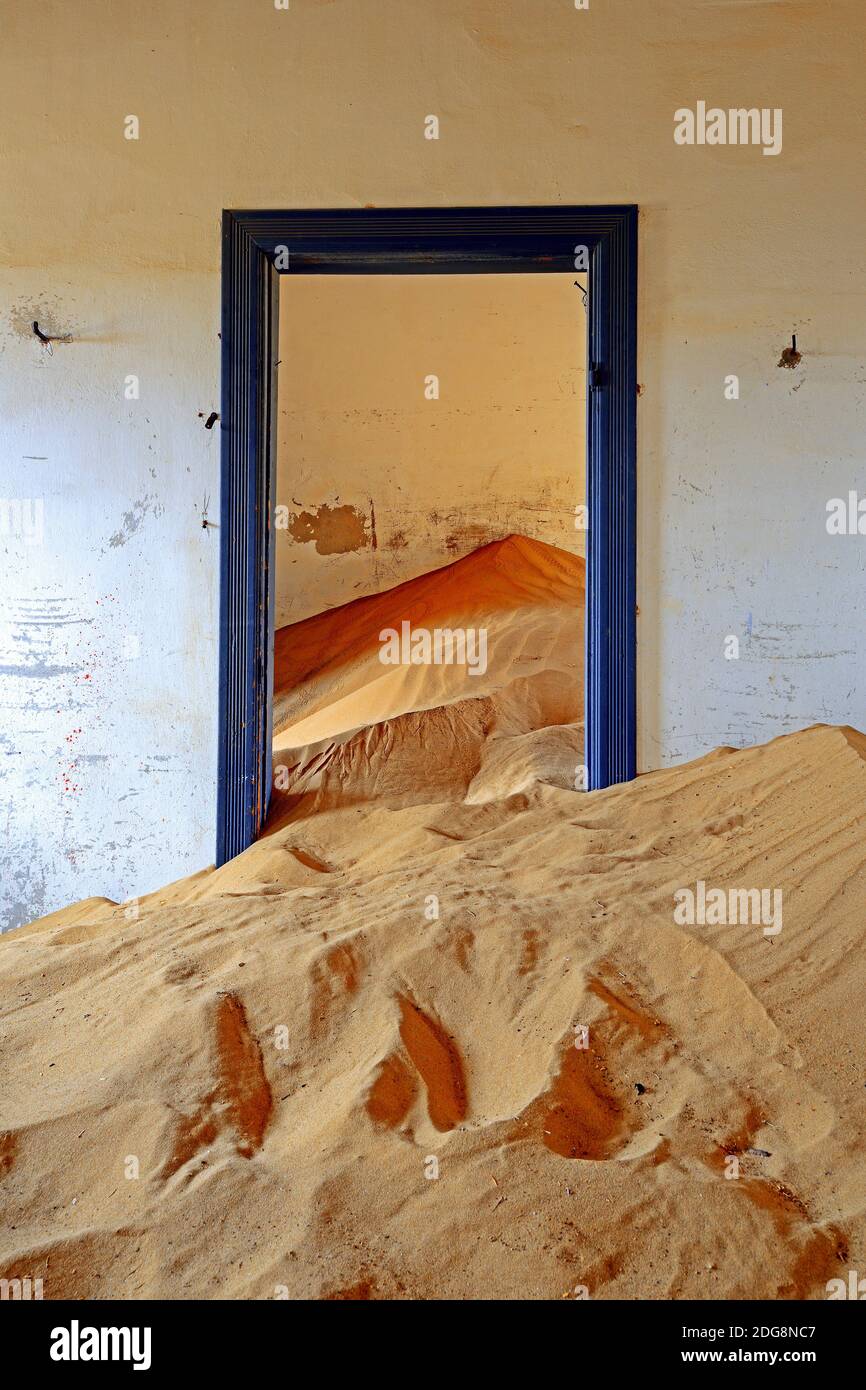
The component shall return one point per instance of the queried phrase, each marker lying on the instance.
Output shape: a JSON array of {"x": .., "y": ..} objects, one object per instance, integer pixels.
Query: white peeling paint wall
[
  {"x": 108, "y": 617},
  {"x": 108, "y": 758}
]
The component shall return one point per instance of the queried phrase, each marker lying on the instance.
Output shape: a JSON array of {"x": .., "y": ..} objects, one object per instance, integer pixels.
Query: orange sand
[
  {"x": 529, "y": 596},
  {"x": 353, "y": 728},
  {"x": 396, "y": 972}
]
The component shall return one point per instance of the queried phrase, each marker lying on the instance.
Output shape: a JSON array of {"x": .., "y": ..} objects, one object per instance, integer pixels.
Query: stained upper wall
[
  {"x": 109, "y": 757},
  {"x": 384, "y": 472}
]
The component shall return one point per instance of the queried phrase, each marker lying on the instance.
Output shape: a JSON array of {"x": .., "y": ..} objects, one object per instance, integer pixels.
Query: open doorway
[
  {"x": 581, "y": 247},
  {"x": 430, "y": 537}
]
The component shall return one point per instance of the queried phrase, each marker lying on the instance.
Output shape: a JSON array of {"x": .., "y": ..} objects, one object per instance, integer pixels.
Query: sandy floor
[{"x": 344, "y": 1065}]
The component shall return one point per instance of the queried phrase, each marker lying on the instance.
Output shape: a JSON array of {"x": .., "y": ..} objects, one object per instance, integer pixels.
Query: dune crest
[
  {"x": 528, "y": 597},
  {"x": 370, "y": 732}
]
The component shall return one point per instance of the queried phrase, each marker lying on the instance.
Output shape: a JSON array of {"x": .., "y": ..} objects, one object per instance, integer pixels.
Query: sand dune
[
  {"x": 529, "y": 597},
  {"x": 282, "y": 1046},
  {"x": 352, "y": 728},
  {"x": 344, "y": 1065}
]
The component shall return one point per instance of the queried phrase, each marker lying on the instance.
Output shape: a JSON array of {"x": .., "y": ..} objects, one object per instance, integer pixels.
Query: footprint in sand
[
  {"x": 241, "y": 1101},
  {"x": 581, "y": 1115},
  {"x": 436, "y": 1058},
  {"x": 309, "y": 861},
  {"x": 816, "y": 1252},
  {"x": 438, "y": 1062},
  {"x": 529, "y": 952},
  {"x": 334, "y": 976},
  {"x": 392, "y": 1093},
  {"x": 460, "y": 941},
  {"x": 591, "y": 1111}
]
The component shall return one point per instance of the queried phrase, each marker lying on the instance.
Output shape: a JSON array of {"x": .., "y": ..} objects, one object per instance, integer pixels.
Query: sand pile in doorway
[
  {"x": 527, "y": 596},
  {"x": 343, "y": 1066},
  {"x": 349, "y": 726}
]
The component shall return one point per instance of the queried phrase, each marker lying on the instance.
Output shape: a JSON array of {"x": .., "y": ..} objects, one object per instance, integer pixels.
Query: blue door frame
[{"x": 257, "y": 247}]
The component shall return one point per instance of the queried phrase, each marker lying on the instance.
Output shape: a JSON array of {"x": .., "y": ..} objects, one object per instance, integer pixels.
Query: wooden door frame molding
[{"x": 258, "y": 246}]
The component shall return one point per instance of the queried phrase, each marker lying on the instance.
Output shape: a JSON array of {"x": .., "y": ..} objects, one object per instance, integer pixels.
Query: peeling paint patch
[
  {"x": 131, "y": 521},
  {"x": 46, "y": 312},
  {"x": 41, "y": 670},
  {"x": 335, "y": 530}
]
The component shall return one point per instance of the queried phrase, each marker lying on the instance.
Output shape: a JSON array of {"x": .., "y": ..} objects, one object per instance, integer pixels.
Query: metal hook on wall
[
  {"x": 46, "y": 341},
  {"x": 791, "y": 357}
]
